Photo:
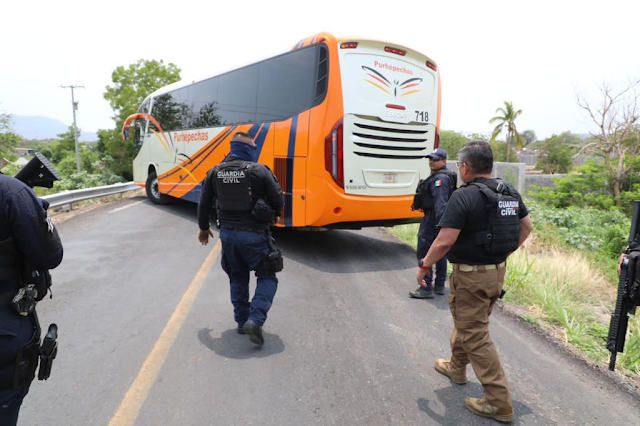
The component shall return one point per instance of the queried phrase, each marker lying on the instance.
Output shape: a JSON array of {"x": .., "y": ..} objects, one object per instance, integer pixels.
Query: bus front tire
[{"x": 153, "y": 192}]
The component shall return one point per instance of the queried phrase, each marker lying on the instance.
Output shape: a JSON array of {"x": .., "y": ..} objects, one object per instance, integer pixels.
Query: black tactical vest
[
  {"x": 233, "y": 185},
  {"x": 503, "y": 219},
  {"x": 423, "y": 199}
]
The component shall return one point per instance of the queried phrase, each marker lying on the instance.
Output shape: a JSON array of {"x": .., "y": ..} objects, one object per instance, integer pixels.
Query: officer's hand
[
  {"x": 203, "y": 236},
  {"x": 420, "y": 276},
  {"x": 620, "y": 263}
]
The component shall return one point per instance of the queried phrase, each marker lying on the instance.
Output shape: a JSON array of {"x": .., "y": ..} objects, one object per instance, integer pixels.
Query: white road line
[{"x": 127, "y": 206}]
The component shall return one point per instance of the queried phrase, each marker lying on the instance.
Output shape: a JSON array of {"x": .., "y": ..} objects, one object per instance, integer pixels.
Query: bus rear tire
[{"x": 153, "y": 193}]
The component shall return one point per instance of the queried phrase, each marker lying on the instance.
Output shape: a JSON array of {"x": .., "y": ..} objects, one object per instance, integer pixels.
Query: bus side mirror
[{"x": 125, "y": 133}]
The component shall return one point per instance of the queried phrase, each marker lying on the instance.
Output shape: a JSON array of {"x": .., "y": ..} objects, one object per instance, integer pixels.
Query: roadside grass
[
  {"x": 564, "y": 291},
  {"x": 566, "y": 294},
  {"x": 407, "y": 233}
]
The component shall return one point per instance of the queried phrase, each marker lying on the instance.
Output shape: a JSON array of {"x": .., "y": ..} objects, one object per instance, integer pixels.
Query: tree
[
  {"x": 477, "y": 137},
  {"x": 506, "y": 118},
  {"x": 555, "y": 156},
  {"x": 130, "y": 87},
  {"x": 121, "y": 152},
  {"x": 63, "y": 147},
  {"x": 452, "y": 142},
  {"x": 8, "y": 138},
  {"x": 133, "y": 84},
  {"x": 615, "y": 116},
  {"x": 528, "y": 138}
]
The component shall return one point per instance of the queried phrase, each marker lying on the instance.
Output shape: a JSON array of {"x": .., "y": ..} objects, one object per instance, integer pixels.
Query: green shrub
[{"x": 605, "y": 232}]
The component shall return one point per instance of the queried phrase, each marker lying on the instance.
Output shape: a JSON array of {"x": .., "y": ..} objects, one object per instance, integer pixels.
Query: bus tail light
[
  {"x": 436, "y": 142},
  {"x": 334, "y": 153},
  {"x": 432, "y": 66},
  {"x": 394, "y": 106},
  {"x": 395, "y": 50},
  {"x": 349, "y": 45}
]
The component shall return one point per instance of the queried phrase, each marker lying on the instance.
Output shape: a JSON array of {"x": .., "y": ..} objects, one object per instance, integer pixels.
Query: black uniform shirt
[
  {"x": 23, "y": 218},
  {"x": 466, "y": 211}
]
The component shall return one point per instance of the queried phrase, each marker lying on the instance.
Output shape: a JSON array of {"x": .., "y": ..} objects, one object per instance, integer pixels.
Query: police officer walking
[
  {"x": 433, "y": 195},
  {"x": 249, "y": 198},
  {"x": 484, "y": 222},
  {"x": 28, "y": 240}
]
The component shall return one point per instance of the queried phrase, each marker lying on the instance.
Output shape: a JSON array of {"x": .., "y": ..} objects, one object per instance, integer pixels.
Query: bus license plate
[{"x": 390, "y": 178}]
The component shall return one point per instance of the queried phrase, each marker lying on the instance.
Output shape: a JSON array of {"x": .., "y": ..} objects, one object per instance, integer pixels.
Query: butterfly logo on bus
[{"x": 405, "y": 88}]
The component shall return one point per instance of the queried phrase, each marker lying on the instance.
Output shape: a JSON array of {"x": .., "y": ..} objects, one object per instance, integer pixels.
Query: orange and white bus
[{"x": 345, "y": 125}]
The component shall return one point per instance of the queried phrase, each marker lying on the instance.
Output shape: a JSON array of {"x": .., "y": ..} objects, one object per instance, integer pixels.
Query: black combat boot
[
  {"x": 422, "y": 292},
  {"x": 254, "y": 331}
]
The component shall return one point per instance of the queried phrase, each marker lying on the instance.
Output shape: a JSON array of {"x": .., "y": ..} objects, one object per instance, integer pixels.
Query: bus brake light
[
  {"x": 334, "y": 154},
  {"x": 394, "y": 106},
  {"x": 432, "y": 66},
  {"x": 349, "y": 45},
  {"x": 436, "y": 142},
  {"x": 394, "y": 50}
]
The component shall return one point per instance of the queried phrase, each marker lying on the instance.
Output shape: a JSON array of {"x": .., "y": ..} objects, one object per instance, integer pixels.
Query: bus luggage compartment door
[{"x": 291, "y": 173}]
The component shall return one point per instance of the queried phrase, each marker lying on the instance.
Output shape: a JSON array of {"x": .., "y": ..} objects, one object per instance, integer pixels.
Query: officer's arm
[
  {"x": 441, "y": 246},
  {"x": 207, "y": 197},
  {"x": 33, "y": 231},
  {"x": 273, "y": 191},
  {"x": 526, "y": 226}
]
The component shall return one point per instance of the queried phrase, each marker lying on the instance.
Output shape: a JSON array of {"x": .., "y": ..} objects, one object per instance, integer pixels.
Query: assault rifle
[
  {"x": 38, "y": 172},
  {"x": 628, "y": 290}
]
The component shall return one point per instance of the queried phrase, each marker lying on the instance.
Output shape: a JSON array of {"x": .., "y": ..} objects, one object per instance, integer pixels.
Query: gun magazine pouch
[
  {"x": 273, "y": 262},
  {"x": 262, "y": 211}
]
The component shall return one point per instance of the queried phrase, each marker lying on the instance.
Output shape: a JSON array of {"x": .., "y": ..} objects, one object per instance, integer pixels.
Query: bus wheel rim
[{"x": 154, "y": 189}]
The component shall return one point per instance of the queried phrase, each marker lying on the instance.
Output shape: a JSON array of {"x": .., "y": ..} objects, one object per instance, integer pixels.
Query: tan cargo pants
[{"x": 471, "y": 299}]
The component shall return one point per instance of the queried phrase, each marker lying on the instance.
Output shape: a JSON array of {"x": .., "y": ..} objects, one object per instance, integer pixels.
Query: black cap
[{"x": 438, "y": 154}]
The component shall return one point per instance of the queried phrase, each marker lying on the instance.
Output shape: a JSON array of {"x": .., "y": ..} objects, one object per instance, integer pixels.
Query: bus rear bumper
[
  {"x": 371, "y": 223},
  {"x": 328, "y": 207}
]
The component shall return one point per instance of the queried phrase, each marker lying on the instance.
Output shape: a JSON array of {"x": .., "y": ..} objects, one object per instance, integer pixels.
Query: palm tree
[{"x": 506, "y": 117}]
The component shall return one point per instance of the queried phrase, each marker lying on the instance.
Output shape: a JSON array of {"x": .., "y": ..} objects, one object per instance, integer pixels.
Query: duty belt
[
  {"x": 237, "y": 228},
  {"x": 478, "y": 268}
]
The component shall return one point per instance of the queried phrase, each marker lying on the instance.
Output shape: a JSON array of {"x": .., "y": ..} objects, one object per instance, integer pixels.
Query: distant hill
[{"x": 37, "y": 127}]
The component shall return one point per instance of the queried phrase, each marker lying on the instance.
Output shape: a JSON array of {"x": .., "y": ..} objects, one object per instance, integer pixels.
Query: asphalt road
[{"x": 344, "y": 343}]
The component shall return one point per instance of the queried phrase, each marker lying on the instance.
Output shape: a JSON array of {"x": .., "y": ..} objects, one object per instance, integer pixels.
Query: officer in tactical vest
[
  {"x": 431, "y": 198},
  {"x": 29, "y": 246},
  {"x": 249, "y": 199},
  {"x": 484, "y": 222}
]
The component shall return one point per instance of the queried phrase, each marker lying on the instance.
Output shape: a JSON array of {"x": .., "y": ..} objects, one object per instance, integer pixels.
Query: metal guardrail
[{"x": 69, "y": 197}]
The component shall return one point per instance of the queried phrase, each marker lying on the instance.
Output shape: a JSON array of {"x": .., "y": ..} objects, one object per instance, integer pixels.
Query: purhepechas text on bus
[{"x": 345, "y": 124}]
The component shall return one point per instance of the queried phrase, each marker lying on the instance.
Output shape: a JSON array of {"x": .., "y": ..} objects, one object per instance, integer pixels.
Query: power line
[{"x": 74, "y": 106}]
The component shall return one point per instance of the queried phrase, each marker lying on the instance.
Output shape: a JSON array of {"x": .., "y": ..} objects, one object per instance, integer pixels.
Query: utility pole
[{"x": 75, "y": 127}]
